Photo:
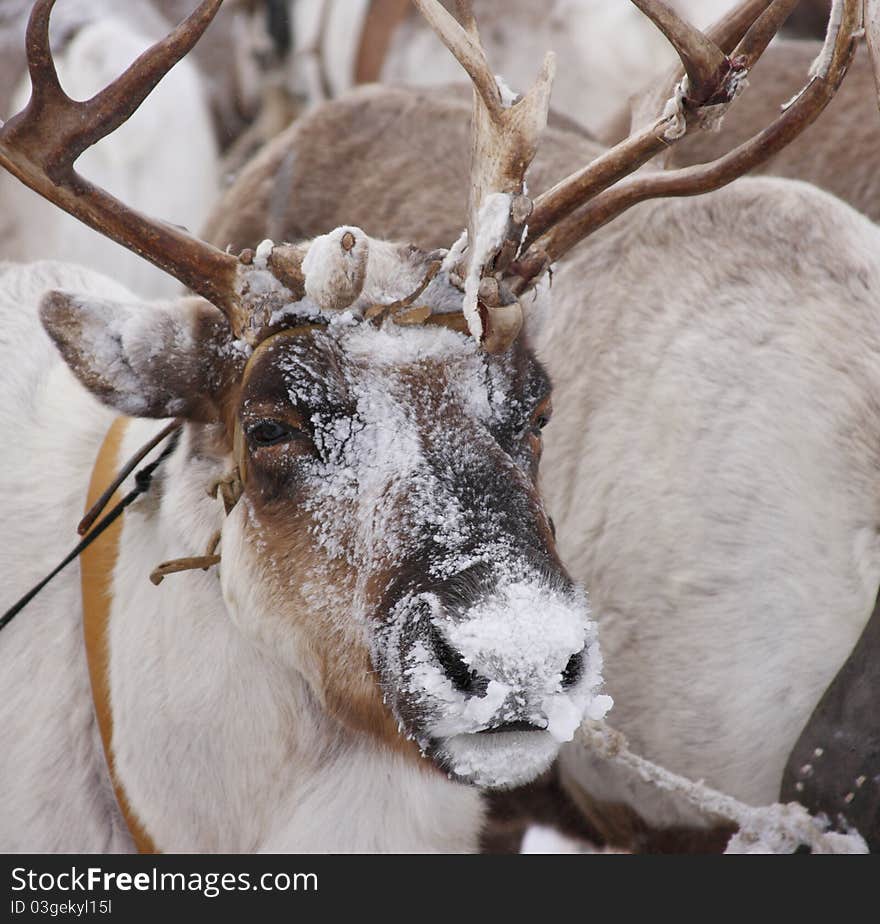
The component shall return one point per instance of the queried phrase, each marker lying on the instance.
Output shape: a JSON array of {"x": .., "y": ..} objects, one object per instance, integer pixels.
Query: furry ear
[{"x": 147, "y": 359}]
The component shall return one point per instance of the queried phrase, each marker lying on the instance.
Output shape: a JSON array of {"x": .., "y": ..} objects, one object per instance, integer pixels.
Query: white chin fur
[{"x": 500, "y": 760}]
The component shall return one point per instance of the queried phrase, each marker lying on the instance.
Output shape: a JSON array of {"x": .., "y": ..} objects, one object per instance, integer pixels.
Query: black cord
[
  {"x": 143, "y": 479},
  {"x": 85, "y": 524}
]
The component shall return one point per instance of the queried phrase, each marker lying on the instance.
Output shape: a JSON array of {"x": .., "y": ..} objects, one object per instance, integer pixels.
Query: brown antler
[
  {"x": 726, "y": 35},
  {"x": 705, "y": 63},
  {"x": 42, "y": 143},
  {"x": 504, "y": 142},
  {"x": 588, "y": 211},
  {"x": 504, "y": 139},
  {"x": 714, "y": 67},
  {"x": 708, "y": 86}
]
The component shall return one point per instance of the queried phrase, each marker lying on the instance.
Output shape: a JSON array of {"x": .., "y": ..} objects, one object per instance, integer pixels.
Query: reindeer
[
  {"x": 698, "y": 403},
  {"x": 387, "y": 618},
  {"x": 178, "y": 178}
]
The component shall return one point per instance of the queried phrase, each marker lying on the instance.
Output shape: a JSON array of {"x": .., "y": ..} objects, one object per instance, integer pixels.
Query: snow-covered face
[{"x": 391, "y": 511}]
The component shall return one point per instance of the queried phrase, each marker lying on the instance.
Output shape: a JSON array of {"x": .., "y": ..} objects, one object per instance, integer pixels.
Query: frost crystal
[{"x": 492, "y": 224}]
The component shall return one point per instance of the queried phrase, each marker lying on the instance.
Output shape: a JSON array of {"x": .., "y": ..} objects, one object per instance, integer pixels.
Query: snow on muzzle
[{"x": 491, "y": 683}]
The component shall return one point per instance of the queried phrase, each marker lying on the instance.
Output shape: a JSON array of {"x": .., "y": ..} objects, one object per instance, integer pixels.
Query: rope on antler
[{"x": 762, "y": 829}]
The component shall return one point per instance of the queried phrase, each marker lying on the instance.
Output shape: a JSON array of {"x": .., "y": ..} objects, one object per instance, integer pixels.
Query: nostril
[
  {"x": 463, "y": 678},
  {"x": 573, "y": 670}
]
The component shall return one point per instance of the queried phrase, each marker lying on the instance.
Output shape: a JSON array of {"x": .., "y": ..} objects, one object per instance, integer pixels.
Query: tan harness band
[{"x": 97, "y": 564}]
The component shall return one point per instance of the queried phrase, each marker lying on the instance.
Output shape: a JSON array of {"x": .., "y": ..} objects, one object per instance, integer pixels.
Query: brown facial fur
[{"x": 346, "y": 685}]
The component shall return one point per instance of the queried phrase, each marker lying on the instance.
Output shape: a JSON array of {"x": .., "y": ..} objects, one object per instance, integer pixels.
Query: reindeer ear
[{"x": 160, "y": 359}]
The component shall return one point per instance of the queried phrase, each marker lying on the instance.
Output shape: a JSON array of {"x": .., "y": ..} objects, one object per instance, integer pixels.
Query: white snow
[
  {"x": 784, "y": 828},
  {"x": 500, "y": 760},
  {"x": 502, "y": 636},
  {"x": 493, "y": 220},
  {"x": 482, "y": 709},
  {"x": 295, "y": 312},
  {"x": 521, "y": 637},
  {"x": 262, "y": 253},
  {"x": 343, "y": 278},
  {"x": 564, "y": 714},
  {"x": 455, "y": 252},
  {"x": 763, "y": 829},
  {"x": 124, "y": 340},
  {"x": 821, "y": 65},
  {"x": 335, "y": 274},
  {"x": 508, "y": 96}
]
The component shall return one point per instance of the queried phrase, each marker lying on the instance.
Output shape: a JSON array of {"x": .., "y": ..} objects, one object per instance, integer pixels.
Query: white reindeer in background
[
  {"x": 265, "y": 60},
  {"x": 387, "y": 587},
  {"x": 164, "y": 161},
  {"x": 244, "y": 60}
]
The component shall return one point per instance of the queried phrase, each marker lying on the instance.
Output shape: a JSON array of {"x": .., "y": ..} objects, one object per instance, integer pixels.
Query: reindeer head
[
  {"x": 380, "y": 407},
  {"x": 389, "y": 542},
  {"x": 391, "y": 526}
]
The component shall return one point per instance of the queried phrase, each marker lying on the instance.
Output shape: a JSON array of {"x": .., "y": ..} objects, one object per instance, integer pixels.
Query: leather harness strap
[{"x": 97, "y": 564}]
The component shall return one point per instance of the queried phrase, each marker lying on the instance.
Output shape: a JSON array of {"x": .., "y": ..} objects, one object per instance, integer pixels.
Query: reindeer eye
[
  {"x": 541, "y": 417},
  {"x": 271, "y": 433}
]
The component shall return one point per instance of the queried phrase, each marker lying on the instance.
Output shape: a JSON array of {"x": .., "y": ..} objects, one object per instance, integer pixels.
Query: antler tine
[
  {"x": 692, "y": 181},
  {"x": 504, "y": 140},
  {"x": 754, "y": 43},
  {"x": 41, "y": 144},
  {"x": 754, "y": 17},
  {"x": 728, "y": 32},
  {"x": 41, "y": 65},
  {"x": 465, "y": 46},
  {"x": 116, "y": 103},
  {"x": 705, "y": 63},
  {"x": 726, "y": 35}
]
